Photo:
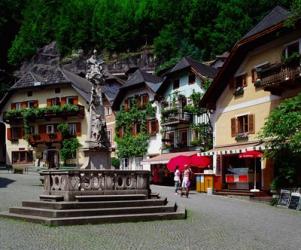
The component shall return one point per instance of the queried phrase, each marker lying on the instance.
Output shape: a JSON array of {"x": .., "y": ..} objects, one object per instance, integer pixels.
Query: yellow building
[
  {"x": 57, "y": 96},
  {"x": 256, "y": 77}
]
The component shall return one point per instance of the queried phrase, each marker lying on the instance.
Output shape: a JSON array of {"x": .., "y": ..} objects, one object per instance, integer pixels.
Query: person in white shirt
[
  {"x": 186, "y": 181},
  {"x": 177, "y": 179}
]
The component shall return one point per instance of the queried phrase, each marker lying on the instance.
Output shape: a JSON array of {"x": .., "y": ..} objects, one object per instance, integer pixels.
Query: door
[{"x": 52, "y": 159}]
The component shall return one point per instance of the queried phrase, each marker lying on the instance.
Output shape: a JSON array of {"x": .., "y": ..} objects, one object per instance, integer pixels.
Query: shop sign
[
  {"x": 295, "y": 201},
  {"x": 285, "y": 197}
]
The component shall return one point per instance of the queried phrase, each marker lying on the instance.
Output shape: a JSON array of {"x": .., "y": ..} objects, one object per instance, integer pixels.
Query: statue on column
[{"x": 97, "y": 74}]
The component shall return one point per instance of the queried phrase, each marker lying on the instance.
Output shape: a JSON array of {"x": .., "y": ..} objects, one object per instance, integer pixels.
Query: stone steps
[
  {"x": 179, "y": 214},
  {"x": 95, "y": 204},
  {"x": 110, "y": 197},
  {"x": 93, "y": 209},
  {"x": 90, "y": 212}
]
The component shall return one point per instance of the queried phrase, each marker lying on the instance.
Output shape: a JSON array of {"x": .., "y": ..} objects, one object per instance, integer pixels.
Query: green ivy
[
  {"x": 64, "y": 129},
  {"x": 69, "y": 148},
  {"x": 129, "y": 145}
]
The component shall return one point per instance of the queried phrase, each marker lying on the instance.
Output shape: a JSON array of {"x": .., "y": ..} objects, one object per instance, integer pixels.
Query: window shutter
[
  {"x": 251, "y": 121},
  {"x": 78, "y": 129},
  {"x": 57, "y": 101},
  {"x": 245, "y": 84},
  {"x": 233, "y": 127},
  {"x": 20, "y": 133},
  {"x": 148, "y": 127},
  {"x": 8, "y": 132},
  {"x": 35, "y": 103},
  {"x": 120, "y": 132},
  {"x": 157, "y": 126},
  {"x": 49, "y": 102},
  {"x": 42, "y": 129},
  {"x": 126, "y": 104},
  {"x": 134, "y": 129},
  {"x": 138, "y": 101},
  {"x": 145, "y": 99},
  {"x": 254, "y": 75},
  {"x": 63, "y": 101},
  {"x": 75, "y": 100},
  {"x": 24, "y": 105},
  {"x": 13, "y": 106}
]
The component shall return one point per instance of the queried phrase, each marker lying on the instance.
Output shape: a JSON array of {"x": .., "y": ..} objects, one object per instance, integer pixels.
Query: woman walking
[
  {"x": 177, "y": 179},
  {"x": 186, "y": 181}
]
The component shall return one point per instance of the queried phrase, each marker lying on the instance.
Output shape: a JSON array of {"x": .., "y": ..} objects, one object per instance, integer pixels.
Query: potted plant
[
  {"x": 242, "y": 137},
  {"x": 239, "y": 91}
]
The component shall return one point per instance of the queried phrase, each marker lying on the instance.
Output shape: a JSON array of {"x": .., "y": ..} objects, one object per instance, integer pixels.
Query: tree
[{"x": 282, "y": 133}]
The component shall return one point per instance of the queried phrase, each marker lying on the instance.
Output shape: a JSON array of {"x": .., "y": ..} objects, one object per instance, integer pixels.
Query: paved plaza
[{"x": 213, "y": 222}]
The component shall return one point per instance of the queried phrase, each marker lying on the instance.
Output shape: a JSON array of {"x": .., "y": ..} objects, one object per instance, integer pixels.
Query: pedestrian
[
  {"x": 177, "y": 179},
  {"x": 186, "y": 181}
]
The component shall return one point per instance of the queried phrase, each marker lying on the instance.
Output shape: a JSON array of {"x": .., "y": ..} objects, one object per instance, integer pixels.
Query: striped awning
[{"x": 234, "y": 149}]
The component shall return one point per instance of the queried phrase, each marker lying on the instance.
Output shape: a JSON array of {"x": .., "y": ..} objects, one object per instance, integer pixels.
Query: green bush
[{"x": 115, "y": 162}]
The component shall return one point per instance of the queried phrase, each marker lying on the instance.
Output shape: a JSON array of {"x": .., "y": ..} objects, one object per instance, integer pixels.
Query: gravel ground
[{"x": 213, "y": 222}]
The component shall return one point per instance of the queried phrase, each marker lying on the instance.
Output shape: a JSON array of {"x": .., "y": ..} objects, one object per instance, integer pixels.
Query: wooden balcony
[
  {"x": 175, "y": 118},
  {"x": 45, "y": 138},
  {"x": 280, "y": 77},
  {"x": 16, "y": 116}
]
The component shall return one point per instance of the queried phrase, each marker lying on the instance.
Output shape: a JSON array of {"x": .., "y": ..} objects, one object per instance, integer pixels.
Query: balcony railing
[
  {"x": 45, "y": 138},
  {"x": 174, "y": 117},
  {"x": 280, "y": 77},
  {"x": 15, "y": 116}
]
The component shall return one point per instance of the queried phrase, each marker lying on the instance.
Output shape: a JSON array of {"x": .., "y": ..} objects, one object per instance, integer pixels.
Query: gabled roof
[
  {"x": 138, "y": 79},
  {"x": 187, "y": 62},
  {"x": 269, "y": 29},
  {"x": 277, "y": 15},
  {"x": 45, "y": 75},
  {"x": 111, "y": 87},
  {"x": 140, "y": 76}
]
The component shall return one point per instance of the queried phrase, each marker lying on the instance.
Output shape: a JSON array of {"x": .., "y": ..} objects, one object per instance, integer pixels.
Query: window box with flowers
[
  {"x": 239, "y": 91},
  {"x": 242, "y": 137}
]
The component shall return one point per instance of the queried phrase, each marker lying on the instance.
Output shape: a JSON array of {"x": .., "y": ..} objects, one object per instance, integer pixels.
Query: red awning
[
  {"x": 200, "y": 161},
  {"x": 179, "y": 161},
  {"x": 251, "y": 154}
]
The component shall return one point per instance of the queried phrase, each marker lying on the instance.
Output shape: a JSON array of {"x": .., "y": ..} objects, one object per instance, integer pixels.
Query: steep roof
[
  {"x": 138, "y": 79},
  {"x": 268, "y": 29},
  {"x": 276, "y": 15},
  {"x": 111, "y": 87},
  {"x": 201, "y": 68},
  {"x": 45, "y": 75}
]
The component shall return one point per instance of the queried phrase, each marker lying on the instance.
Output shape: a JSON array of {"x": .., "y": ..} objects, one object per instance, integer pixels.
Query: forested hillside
[{"x": 200, "y": 28}]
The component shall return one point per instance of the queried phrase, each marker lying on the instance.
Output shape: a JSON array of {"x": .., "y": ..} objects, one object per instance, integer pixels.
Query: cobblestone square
[{"x": 213, "y": 222}]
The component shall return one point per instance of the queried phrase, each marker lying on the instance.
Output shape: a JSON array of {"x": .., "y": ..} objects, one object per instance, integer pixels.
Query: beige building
[
  {"x": 58, "y": 97},
  {"x": 255, "y": 78}
]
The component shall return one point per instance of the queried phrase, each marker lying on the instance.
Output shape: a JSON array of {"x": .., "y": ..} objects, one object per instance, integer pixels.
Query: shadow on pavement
[{"x": 4, "y": 182}]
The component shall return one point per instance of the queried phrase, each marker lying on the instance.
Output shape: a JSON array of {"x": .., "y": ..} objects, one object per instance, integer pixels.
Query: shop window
[
  {"x": 191, "y": 79},
  {"x": 22, "y": 157},
  {"x": 176, "y": 84},
  {"x": 57, "y": 90}
]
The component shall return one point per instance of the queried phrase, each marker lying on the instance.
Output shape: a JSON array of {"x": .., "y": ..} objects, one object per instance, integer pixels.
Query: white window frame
[
  {"x": 288, "y": 44},
  {"x": 108, "y": 110},
  {"x": 18, "y": 105},
  {"x": 72, "y": 128},
  {"x": 50, "y": 129}
]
